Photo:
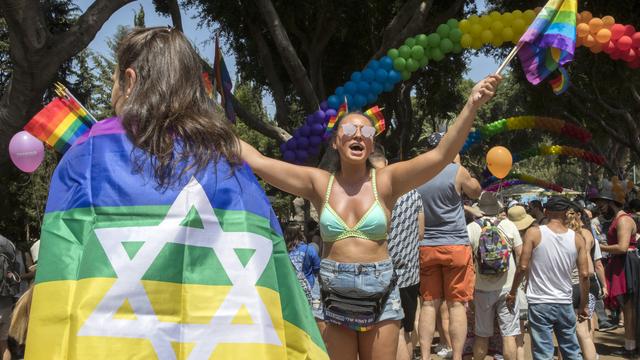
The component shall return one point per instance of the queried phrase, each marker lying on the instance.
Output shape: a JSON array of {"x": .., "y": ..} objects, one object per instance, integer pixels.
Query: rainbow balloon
[
  {"x": 517, "y": 178},
  {"x": 561, "y": 150},
  {"x": 553, "y": 125}
]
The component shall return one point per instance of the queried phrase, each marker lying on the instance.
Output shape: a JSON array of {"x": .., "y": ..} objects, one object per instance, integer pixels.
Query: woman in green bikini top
[{"x": 355, "y": 204}]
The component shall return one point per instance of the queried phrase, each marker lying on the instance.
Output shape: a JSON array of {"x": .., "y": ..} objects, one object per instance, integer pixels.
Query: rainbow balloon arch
[
  {"x": 519, "y": 179},
  {"x": 619, "y": 41},
  {"x": 552, "y": 125}
]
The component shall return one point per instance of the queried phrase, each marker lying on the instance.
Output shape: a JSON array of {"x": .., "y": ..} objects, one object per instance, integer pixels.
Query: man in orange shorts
[{"x": 446, "y": 266}]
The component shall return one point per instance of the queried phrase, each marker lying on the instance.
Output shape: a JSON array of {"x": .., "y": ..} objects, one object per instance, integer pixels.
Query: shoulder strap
[
  {"x": 329, "y": 185},
  {"x": 373, "y": 184}
]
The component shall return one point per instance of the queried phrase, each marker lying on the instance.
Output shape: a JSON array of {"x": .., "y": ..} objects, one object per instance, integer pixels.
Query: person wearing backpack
[
  {"x": 9, "y": 287},
  {"x": 496, "y": 245}
]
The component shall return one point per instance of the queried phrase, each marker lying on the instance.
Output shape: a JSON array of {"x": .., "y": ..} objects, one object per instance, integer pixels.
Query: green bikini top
[{"x": 372, "y": 225}]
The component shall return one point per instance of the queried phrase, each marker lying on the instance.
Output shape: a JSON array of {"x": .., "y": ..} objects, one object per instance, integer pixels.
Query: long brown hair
[
  {"x": 168, "y": 113},
  {"x": 294, "y": 236}
]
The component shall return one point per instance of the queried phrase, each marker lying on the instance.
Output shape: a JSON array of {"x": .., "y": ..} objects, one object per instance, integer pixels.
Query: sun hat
[{"x": 518, "y": 215}]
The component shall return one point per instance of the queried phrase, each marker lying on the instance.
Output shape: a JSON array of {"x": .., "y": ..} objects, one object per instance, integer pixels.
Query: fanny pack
[{"x": 358, "y": 310}]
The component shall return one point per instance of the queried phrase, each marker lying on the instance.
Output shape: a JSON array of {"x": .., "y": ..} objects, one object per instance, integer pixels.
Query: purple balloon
[
  {"x": 317, "y": 129},
  {"x": 289, "y": 156},
  {"x": 309, "y": 119},
  {"x": 329, "y": 113},
  {"x": 301, "y": 155},
  {"x": 283, "y": 147},
  {"x": 26, "y": 151},
  {"x": 313, "y": 151},
  {"x": 292, "y": 144},
  {"x": 305, "y": 131},
  {"x": 314, "y": 141},
  {"x": 324, "y": 105},
  {"x": 303, "y": 143},
  {"x": 319, "y": 115}
]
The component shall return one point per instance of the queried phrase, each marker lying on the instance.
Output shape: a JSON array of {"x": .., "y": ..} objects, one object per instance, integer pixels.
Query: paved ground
[{"x": 606, "y": 343}]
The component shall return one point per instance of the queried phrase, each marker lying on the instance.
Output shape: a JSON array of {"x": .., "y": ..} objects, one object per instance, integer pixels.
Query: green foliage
[{"x": 23, "y": 199}]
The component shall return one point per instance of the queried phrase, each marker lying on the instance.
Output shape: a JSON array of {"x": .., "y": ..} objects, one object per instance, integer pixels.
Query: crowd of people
[{"x": 559, "y": 265}]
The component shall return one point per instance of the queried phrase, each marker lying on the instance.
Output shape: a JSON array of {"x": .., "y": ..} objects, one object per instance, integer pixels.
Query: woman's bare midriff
[{"x": 356, "y": 250}]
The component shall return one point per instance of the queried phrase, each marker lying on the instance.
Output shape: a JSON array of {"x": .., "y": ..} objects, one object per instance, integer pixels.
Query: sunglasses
[{"x": 367, "y": 131}]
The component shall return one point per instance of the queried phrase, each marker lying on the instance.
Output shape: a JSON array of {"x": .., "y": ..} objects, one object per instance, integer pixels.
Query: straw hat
[{"x": 518, "y": 215}]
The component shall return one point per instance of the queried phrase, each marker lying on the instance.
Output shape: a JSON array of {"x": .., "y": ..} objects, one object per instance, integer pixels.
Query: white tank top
[{"x": 552, "y": 262}]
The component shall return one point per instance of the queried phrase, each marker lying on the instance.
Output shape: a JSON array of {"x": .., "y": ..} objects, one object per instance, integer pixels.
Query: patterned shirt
[{"x": 404, "y": 238}]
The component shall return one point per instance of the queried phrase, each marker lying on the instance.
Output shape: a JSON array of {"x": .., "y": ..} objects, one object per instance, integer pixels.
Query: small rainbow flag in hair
[
  {"x": 550, "y": 41},
  {"x": 61, "y": 122},
  {"x": 377, "y": 119},
  {"x": 332, "y": 121},
  {"x": 560, "y": 83}
]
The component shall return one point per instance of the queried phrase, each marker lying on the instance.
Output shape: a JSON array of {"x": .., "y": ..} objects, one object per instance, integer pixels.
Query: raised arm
[
  {"x": 294, "y": 179},
  {"x": 410, "y": 174}
]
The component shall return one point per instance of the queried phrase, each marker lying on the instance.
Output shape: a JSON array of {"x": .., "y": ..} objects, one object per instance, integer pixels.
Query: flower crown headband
[{"x": 374, "y": 114}]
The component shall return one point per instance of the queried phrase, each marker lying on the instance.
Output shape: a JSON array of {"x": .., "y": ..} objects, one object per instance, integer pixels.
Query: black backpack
[{"x": 10, "y": 279}]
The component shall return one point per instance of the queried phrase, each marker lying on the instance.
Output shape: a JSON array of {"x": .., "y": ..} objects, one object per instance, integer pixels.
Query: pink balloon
[{"x": 26, "y": 151}]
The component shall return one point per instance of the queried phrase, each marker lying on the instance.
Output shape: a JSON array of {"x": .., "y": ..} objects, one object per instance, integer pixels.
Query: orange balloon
[
  {"x": 608, "y": 21},
  {"x": 603, "y": 36},
  {"x": 589, "y": 41},
  {"x": 595, "y": 25},
  {"x": 586, "y": 16},
  {"x": 499, "y": 161},
  {"x": 582, "y": 30}
]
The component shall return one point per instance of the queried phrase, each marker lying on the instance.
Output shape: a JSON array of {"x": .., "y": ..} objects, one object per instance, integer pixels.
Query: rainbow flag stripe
[
  {"x": 550, "y": 41},
  {"x": 377, "y": 119},
  {"x": 332, "y": 121},
  {"x": 560, "y": 84},
  {"x": 60, "y": 123}
]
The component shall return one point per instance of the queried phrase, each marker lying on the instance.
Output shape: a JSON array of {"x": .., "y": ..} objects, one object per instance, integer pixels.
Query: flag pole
[
  {"x": 510, "y": 57},
  {"x": 66, "y": 91}
]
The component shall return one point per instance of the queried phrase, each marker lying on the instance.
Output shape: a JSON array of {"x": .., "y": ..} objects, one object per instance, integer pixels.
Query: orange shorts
[{"x": 447, "y": 272}]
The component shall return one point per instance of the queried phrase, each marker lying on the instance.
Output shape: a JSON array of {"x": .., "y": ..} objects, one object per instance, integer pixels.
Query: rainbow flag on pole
[
  {"x": 197, "y": 271},
  {"x": 550, "y": 41},
  {"x": 332, "y": 120},
  {"x": 223, "y": 84},
  {"x": 60, "y": 123}
]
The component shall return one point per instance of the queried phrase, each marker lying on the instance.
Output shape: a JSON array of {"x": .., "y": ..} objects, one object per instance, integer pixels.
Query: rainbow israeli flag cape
[
  {"x": 197, "y": 271},
  {"x": 550, "y": 40}
]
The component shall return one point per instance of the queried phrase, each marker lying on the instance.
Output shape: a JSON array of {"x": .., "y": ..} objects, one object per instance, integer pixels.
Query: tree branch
[
  {"x": 277, "y": 89},
  {"x": 176, "y": 17},
  {"x": 398, "y": 22},
  {"x": 290, "y": 59},
  {"x": 263, "y": 127},
  {"x": 71, "y": 42}
]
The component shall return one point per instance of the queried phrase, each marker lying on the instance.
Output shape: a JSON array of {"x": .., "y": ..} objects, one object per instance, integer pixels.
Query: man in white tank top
[{"x": 549, "y": 254}]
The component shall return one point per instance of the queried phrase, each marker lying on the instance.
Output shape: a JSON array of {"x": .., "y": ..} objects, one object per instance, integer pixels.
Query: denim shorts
[{"x": 371, "y": 277}]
